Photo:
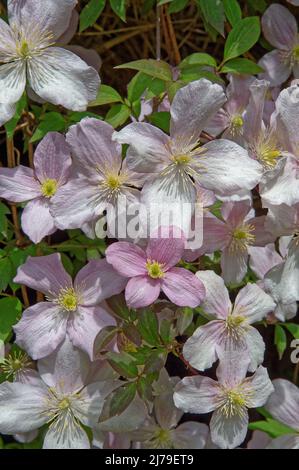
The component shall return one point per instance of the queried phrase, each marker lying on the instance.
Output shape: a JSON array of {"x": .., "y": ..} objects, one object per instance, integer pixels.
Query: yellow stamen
[
  {"x": 269, "y": 157},
  {"x": 183, "y": 159},
  {"x": 64, "y": 404},
  {"x": 236, "y": 124},
  {"x": 242, "y": 236},
  {"x": 154, "y": 269},
  {"x": 68, "y": 299},
  {"x": 113, "y": 182},
  {"x": 49, "y": 187}
]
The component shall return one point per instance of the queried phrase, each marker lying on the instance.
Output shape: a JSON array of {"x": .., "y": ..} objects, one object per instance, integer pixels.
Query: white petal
[
  {"x": 66, "y": 433},
  {"x": 253, "y": 303},
  {"x": 12, "y": 82},
  {"x": 217, "y": 301},
  {"x": 283, "y": 404},
  {"x": 196, "y": 394},
  {"x": 230, "y": 432}
]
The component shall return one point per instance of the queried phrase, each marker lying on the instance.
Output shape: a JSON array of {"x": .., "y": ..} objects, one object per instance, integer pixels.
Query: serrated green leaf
[
  {"x": 148, "y": 327},
  {"x": 91, "y": 13},
  {"x": 280, "y": 340},
  {"x": 213, "y": 12},
  {"x": 232, "y": 11},
  {"x": 51, "y": 121},
  {"x": 123, "y": 363},
  {"x": 117, "y": 115},
  {"x": 242, "y": 37},
  {"x": 154, "y": 68},
  {"x": 241, "y": 66},
  {"x": 10, "y": 310},
  {"x": 121, "y": 399},
  {"x": 119, "y": 7},
  {"x": 106, "y": 95},
  {"x": 6, "y": 273}
]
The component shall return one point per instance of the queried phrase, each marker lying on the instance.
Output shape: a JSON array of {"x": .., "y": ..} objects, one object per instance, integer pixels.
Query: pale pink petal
[
  {"x": 253, "y": 303},
  {"x": 262, "y": 259},
  {"x": 127, "y": 259},
  {"x": 18, "y": 184},
  {"x": 36, "y": 220},
  {"x": 98, "y": 281},
  {"x": 167, "y": 251},
  {"x": 234, "y": 213},
  {"x": 255, "y": 347},
  {"x": 190, "y": 435},
  {"x": 183, "y": 288},
  {"x": 280, "y": 186},
  {"x": 234, "y": 265},
  {"x": 52, "y": 158},
  {"x": 12, "y": 82},
  {"x": 277, "y": 70},
  {"x": 71, "y": 29},
  {"x": 283, "y": 404},
  {"x": 288, "y": 441},
  {"x": 259, "y": 440},
  {"x": 200, "y": 349},
  {"x": 41, "y": 329},
  {"x": 232, "y": 368},
  {"x": 85, "y": 324},
  {"x": 196, "y": 394},
  {"x": 279, "y": 27},
  {"x": 66, "y": 434},
  {"x": 218, "y": 123},
  {"x": 217, "y": 301},
  {"x": 228, "y": 432},
  {"x": 216, "y": 234},
  {"x": 142, "y": 291},
  {"x": 261, "y": 388},
  {"x": 90, "y": 56},
  {"x": 44, "y": 273},
  {"x": 92, "y": 148}
]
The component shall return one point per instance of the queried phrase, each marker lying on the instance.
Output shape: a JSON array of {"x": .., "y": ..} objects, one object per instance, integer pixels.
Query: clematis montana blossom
[
  {"x": 281, "y": 30},
  {"x": 71, "y": 308},
  {"x": 178, "y": 160},
  {"x": 62, "y": 396},
  {"x": 231, "y": 330},
  {"x": 29, "y": 57},
  {"x": 153, "y": 269},
  {"x": 229, "y": 398},
  {"x": 52, "y": 163}
]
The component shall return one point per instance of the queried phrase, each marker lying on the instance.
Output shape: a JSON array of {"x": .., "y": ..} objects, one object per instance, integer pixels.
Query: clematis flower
[
  {"x": 231, "y": 330},
  {"x": 228, "y": 398},
  {"x": 153, "y": 269},
  {"x": 52, "y": 163},
  {"x": 234, "y": 235},
  {"x": 100, "y": 177},
  {"x": 280, "y": 29},
  {"x": 281, "y": 185},
  {"x": 61, "y": 397},
  {"x": 71, "y": 308},
  {"x": 283, "y": 405},
  {"x": 29, "y": 56},
  {"x": 178, "y": 160}
]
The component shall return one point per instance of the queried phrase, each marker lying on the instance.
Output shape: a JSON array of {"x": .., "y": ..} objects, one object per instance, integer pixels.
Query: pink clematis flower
[
  {"x": 63, "y": 395},
  {"x": 29, "y": 55},
  {"x": 71, "y": 308},
  {"x": 228, "y": 398},
  {"x": 100, "y": 176},
  {"x": 234, "y": 235},
  {"x": 231, "y": 329},
  {"x": 280, "y": 29},
  {"x": 283, "y": 405},
  {"x": 153, "y": 269},
  {"x": 52, "y": 163}
]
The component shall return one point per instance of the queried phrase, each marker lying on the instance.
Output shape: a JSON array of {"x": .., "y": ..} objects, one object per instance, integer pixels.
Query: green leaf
[
  {"x": 198, "y": 58},
  {"x": 241, "y": 66},
  {"x": 11, "y": 125},
  {"x": 118, "y": 115},
  {"x": 148, "y": 327},
  {"x": 177, "y": 5},
  {"x": 106, "y": 95},
  {"x": 195, "y": 72},
  {"x": 6, "y": 273},
  {"x": 104, "y": 337},
  {"x": 118, "y": 305},
  {"x": 122, "y": 398},
  {"x": 138, "y": 85},
  {"x": 213, "y": 13},
  {"x": 3, "y": 219},
  {"x": 272, "y": 427},
  {"x": 293, "y": 328},
  {"x": 258, "y": 5},
  {"x": 242, "y": 37},
  {"x": 77, "y": 116},
  {"x": 232, "y": 11},
  {"x": 90, "y": 13},
  {"x": 185, "y": 317},
  {"x": 119, "y": 7},
  {"x": 123, "y": 363},
  {"x": 161, "y": 119},
  {"x": 280, "y": 340},
  {"x": 10, "y": 310},
  {"x": 51, "y": 121},
  {"x": 154, "y": 68}
]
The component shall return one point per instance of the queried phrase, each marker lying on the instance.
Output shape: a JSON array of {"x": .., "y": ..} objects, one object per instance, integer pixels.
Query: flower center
[
  {"x": 154, "y": 269},
  {"x": 14, "y": 363},
  {"x": 68, "y": 299},
  {"x": 234, "y": 402},
  {"x": 23, "y": 49},
  {"x": 242, "y": 237},
  {"x": 183, "y": 159},
  {"x": 234, "y": 326},
  {"x": 295, "y": 53},
  {"x": 162, "y": 439},
  {"x": 269, "y": 156},
  {"x": 113, "y": 182},
  {"x": 236, "y": 124},
  {"x": 64, "y": 404},
  {"x": 49, "y": 187}
]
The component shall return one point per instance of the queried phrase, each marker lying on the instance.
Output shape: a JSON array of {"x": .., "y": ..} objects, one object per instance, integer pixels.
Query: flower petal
[
  {"x": 45, "y": 274},
  {"x": 263, "y": 258},
  {"x": 192, "y": 108},
  {"x": 255, "y": 348},
  {"x": 22, "y": 407},
  {"x": 283, "y": 404},
  {"x": 261, "y": 388},
  {"x": 37, "y": 222},
  {"x": 196, "y": 394},
  {"x": 41, "y": 329},
  {"x": 288, "y": 441},
  {"x": 127, "y": 259},
  {"x": 66, "y": 433},
  {"x": 183, "y": 288},
  {"x": 217, "y": 301},
  {"x": 12, "y": 81},
  {"x": 142, "y": 291},
  {"x": 190, "y": 435},
  {"x": 62, "y": 78},
  {"x": 168, "y": 251},
  {"x": 234, "y": 265},
  {"x": 276, "y": 70},
  {"x": 93, "y": 149},
  {"x": 18, "y": 184},
  {"x": 7, "y": 111},
  {"x": 253, "y": 303},
  {"x": 52, "y": 158},
  {"x": 228, "y": 432},
  {"x": 98, "y": 281},
  {"x": 279, "y": 27},
  {"x": 84, "y": 326}
]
